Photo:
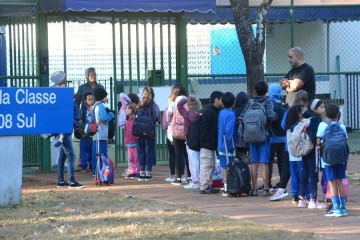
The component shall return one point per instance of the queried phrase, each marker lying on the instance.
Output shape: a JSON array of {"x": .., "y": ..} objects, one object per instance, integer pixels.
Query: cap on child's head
[
  {"x": 100, "y": 94},
  {"x": 194, "y": 104},
  {"x": 57, "y": 77}
]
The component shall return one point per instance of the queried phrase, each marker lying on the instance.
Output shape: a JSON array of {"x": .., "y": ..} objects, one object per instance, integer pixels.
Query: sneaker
[
  {"x": 266, "y": 193},
  {"x": 274, "y": 188},
  {"x": 141, "y": 178},
  {"x": 76, "y": 185},
  {"x": 260, "y": 189},
  {"x": 192, "y": 186},
  {"x": 63, "y": 184},
  {"x": 280, "y": 193},
  {"x": 333, "y": 213},
  {"x": 170, "y": 179},
  {"x": 303, "y": 203},
  {"x": 225, "y": 194},
  {"x": 209, "y": 191},
  {"x": 344, "y": 212},
  {"x": 254, "y": 193},
  {"x": 315, "y": 204},
  {"x": 135, "y": 176},
  {"x": 125, "y": 173},
  {"x": 130, "y": 176},
  {"x": 184, "y": 180},
  {"x": 177, "y": 182},
  {"x": 295, "y": 200},
  {"x": 148, "y": 178}
]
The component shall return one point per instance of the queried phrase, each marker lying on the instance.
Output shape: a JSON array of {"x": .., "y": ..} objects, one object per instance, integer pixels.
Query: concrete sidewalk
[{"x": 279, "y": 214}]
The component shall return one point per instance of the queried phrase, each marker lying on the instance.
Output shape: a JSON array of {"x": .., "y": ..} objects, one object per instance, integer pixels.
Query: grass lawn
[{"x": 69, "y": 214}]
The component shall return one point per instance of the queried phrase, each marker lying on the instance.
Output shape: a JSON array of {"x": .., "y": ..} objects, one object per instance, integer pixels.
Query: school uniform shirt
[
  {"x": 321, "y": 131},
  {"x": 226, "y": 127},
  {"x": 102, "y": 118}
]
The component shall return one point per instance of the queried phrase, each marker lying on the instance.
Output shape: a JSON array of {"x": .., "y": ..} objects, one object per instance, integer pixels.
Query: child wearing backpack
[
  {"x": 242, "y": 148},
  {"x": 147, "y": 114},
  {"x": 278, "y": 141},
  {"x": 178, "y": 131},
  {"x": 85, "y": 140},
  {"x": 333, "y": 137},
  {"x": 101, "y": 119},
  {"x": 208, "y": 143},
  {"x": 309, "y": 173},
  {"x": 261, "y": 109},
  {"x": 226, "y": 126},
  {"x": 131, "y": 142},
  {"x": 191, "y": 115}
]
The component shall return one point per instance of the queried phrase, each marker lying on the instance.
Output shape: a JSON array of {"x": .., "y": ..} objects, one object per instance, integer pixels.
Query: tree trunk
[{"x": 252, "y": 45}]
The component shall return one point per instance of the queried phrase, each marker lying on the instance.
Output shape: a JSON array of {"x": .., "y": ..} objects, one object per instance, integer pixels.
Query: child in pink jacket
[{"x": 131, "y": 142}]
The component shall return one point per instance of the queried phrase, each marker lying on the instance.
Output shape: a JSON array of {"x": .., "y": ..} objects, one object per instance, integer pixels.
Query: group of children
[{"x": 219, "y": 134}]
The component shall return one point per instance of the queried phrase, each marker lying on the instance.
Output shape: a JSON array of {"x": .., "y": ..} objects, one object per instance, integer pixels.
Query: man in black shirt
[{"x": 300, "y": 77}]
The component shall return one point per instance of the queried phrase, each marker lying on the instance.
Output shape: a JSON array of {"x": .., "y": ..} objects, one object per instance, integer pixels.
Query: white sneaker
[
  {"x": 315, "y": 204},
  {"x": 280, "y": 193},
  {"x": 192, "y": 186},
  {"x": 170, "y": 179}
]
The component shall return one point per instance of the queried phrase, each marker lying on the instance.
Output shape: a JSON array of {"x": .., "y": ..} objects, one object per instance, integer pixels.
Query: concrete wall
[{"x": 11, "y": 169}]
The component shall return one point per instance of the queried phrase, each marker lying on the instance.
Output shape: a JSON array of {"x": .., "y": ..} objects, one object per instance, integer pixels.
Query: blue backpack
[
  {"x": 104, "y": 172},
  {"x": 91, "y": 127},
  {"x": 335, "y": 148}
]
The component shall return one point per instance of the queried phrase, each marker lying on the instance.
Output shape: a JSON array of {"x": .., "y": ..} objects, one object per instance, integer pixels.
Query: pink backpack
[{"x": 178, "y": 126}]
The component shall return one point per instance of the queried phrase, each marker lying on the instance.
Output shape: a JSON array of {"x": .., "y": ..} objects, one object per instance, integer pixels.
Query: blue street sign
[{"x": 36, "y": 110}]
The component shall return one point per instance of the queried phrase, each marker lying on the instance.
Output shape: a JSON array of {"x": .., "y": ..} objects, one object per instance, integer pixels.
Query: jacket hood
[{"x": 275, "y": 92}]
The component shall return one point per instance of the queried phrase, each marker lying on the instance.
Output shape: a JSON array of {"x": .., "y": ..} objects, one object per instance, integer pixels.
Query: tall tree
[{"x": 252, "y": 45}]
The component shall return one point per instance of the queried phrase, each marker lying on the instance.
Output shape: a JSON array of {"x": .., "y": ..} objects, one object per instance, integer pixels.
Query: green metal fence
[
  {"x": 22, "y": 72},
  {"x": 131, "y": 48}
]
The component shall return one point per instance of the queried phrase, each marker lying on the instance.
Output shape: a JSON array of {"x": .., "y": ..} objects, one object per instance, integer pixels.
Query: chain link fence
[{"x": 215, "y": 61}]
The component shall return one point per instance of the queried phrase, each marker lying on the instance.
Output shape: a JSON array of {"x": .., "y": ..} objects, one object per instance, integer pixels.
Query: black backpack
[
  {"x": 144, "y": 125},
  {"x": 193, "y": 135},
  {"x": 275, "y": 127},
  {"x": 238, "y": 179}
]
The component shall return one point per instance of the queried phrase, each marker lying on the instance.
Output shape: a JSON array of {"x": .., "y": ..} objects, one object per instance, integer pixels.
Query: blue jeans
[
  {"x": 146, "y": 153},
  {"x": 309, "y": 175},
  {"x": 86, "y": 153},
  {"x": 295, "y": 172},
  {"x": 66, "y": 151},
  {"x": 95, "y": 150}
]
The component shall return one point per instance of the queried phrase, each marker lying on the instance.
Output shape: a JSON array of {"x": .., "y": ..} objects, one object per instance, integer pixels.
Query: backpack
[
  {"x": 335, "y": 148},
  {"x": 255, "y": 123},
  {"x": 275, "y": 127},
  {"x": 241, "y": 143},
  {"x": 298, "y": 139},
  {"x": 238, "y": 178},
  {"x": 193, "y": 135},
  {"x": 144, "y": 125},
  {"x": 104, "y": 172},
  {"x": 90, "y": 127},
  {"x": 178, "y": 126}
]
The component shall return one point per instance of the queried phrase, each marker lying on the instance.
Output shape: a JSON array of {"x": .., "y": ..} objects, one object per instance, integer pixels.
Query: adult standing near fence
[
  {"x": 88, "y": 87},
  {"x": 300, "y": 77}
]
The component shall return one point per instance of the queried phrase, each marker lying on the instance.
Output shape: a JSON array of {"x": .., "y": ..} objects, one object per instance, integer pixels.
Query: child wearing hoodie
[
  {"x": 191, "y": 115},
  {"x": 278, "y": 141}
]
